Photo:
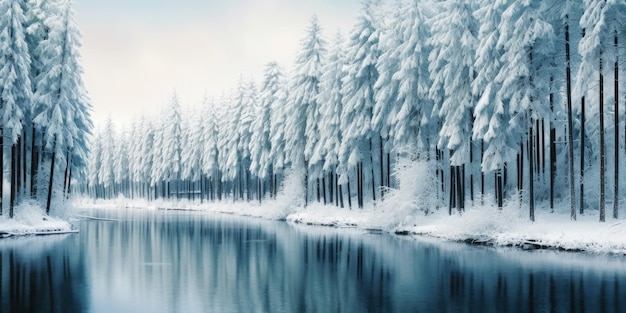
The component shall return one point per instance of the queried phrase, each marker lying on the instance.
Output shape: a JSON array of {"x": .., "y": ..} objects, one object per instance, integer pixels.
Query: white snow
[
  {"x": 31, "y": 219},
  {"x": 487, "y": 224}
]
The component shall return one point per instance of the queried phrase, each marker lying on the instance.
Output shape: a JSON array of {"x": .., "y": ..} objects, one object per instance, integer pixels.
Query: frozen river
[{"x": 157, "y": 261}]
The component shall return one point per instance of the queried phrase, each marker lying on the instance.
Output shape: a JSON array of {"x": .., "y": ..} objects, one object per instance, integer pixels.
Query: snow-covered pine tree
[
  {"x": 249, "y": 102},
  {"x": 601, "y": 25},
  {"x": 228, "y": 158},
  {"x": 121, "y": 165},
  {"x": 94, "y": 166},
  {"x": 106, "y": 172},
  {"x": 454, "y": 43},
  {"x": 277, "y": 130},
  {"x": 146, "y": 157},
  {"x": 260, "y": 143},
  {"x": 192, "y": 148},
  {"x": 172, "y": 145},
  {"x": 331, "y": 105},
  {"x": 527, "y": 40},
  {"x": 358, "y": 99},
  {"x": 491, "y": 114},
  {"x": 61, "y": 107},
  {"x": 301, "y": 128},
  {"x": 210, "y": 150},
  {"x": 15, "y": 92},
  {"x": 157, "y": 175},
  {"x": 412, "y": 125}
]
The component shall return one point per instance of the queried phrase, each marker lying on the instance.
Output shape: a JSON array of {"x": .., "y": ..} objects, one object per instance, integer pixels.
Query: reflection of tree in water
[
  {"x": 42, "y": 275},
  {"x": 161, "y": 262}
]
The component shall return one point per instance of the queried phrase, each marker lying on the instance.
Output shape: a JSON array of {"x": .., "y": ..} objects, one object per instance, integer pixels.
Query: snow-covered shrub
[
  {"x": 292, "y": 191},
  {"x": 416, "y": 193}
]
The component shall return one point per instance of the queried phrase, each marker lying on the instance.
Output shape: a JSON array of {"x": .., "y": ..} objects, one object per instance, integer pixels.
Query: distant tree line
[
  {"x": 44, "y": 108},
  {"x": 507, "y": 100}
]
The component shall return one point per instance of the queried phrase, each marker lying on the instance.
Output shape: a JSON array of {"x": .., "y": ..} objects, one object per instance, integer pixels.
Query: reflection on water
[
  {"x": 184, "y": 262},
  {"x": 42, "y": 274}
]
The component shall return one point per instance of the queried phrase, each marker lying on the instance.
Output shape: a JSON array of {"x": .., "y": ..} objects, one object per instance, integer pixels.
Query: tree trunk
[
  {"x": 34, "y": 159},
  {"x": 349, "y": 195},
  {"x": 570, "y": 124},
  {"x": 552, "y": 149},
  {"x": 531, "y": 177},
  {"x": 67, "y": 166},
  {"x": 382, "y": 174},
  {"x": 616, "y": 120},
  {"x": 51, "y": 177},
  {"x": 69, "y": 185},
  {"x": 340, "y": 196},
  {"x": 582, "y": 156},
  {"x": 499, "y": 187},
  {"x": 318, "y": 189},
  {"x": 324, "y": 188},
  {"x": 460, "y": 189},
  {"x": 14, "y": 179},
  {"x": 602, "y": 147},
  {"x": 482, "y": 174},
  {"x": 452, "y": 197}
]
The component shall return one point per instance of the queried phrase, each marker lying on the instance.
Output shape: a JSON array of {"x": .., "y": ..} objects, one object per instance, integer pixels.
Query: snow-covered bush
[{"x": 416, "y": 193}]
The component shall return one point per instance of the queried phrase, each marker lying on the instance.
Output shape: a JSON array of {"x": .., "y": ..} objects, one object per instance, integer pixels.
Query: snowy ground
[
  {"x": 30, "y": 219},
  {"x": 485, "y": 225}
]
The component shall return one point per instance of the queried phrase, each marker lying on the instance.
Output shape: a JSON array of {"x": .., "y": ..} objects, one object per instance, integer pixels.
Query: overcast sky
[{"x": 137, "y": 52}]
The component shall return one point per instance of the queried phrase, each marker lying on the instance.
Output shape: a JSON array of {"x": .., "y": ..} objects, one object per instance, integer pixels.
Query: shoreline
[{"x": 492, "y": 230}]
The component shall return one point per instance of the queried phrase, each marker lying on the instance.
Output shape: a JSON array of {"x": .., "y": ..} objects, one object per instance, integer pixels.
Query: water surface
[{"x": 158, "y": 261}]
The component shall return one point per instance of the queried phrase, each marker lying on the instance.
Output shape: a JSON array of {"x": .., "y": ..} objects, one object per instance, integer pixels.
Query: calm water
[{"x": 189, "y": 262}]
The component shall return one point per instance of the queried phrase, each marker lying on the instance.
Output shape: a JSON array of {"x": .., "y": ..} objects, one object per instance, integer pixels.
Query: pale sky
[{"x": 137, "y": 52}]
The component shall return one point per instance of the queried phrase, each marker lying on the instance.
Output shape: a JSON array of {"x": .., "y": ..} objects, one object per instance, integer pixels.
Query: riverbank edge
[
  {"x": 30, "y": 219},
  {"x": 469, "y": 239},
  {"x": 363, "y": 220}
]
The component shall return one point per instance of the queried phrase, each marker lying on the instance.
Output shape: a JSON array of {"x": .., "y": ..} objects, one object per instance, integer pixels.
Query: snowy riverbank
[
  {"x": 479, "y": 225},
  {"x": 30, "y": 219}
]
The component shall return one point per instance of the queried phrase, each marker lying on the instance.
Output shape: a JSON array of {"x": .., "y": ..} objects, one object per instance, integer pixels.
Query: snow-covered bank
[
  {"x": 30, "y": 219},
  {"x": 485, "y": 225}
]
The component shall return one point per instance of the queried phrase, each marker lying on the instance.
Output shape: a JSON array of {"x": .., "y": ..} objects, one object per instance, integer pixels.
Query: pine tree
[
  {"x": 15, "y": 92},
  {"x": 358, "y": 98},
  {"x": 277, "y": 131},
  {"x": 301, "y": 129},
  {"x": 260, "y": 143},
  {"x": 331, "y": 106},
  {"x": 454, "y": 43},
  {"x": 61, "y": 109},
  {"x": 172, "y": 144},
  {"x": 491, "y": 113},
  {"x": 210, "y": 152}
]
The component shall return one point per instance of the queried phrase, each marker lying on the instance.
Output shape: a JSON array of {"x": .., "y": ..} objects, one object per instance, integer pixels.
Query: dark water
[{"x": 187, "y": 262}]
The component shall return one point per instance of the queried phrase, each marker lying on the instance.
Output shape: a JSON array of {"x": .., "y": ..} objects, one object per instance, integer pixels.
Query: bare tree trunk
[
  {"x": 602, "y": 147},
  {"x": 324, "y": 188},
  {"x": 452, "y": 197},
  {"x": 552, "y": 152},
  {"x": 482, "y": 174},
  {"x": 14, "y": 179},
  {"x": 616, "y": 128},
  {"x": 34, "y": 163},
  {"x": 51, "y": 176},
  {"x": 459, "y": 189},
  {"x": 67, "y": 166},
  {"x": 349, "y": 195},
  {"x": 582, "y": 156},
  {"x": 531, "y": 177},
  {"x": 570, "y": 124},
  {"x": 340, "y": 194},
  {"x": 499, "y": 187},
  {"x": 69, "y": 185}
]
